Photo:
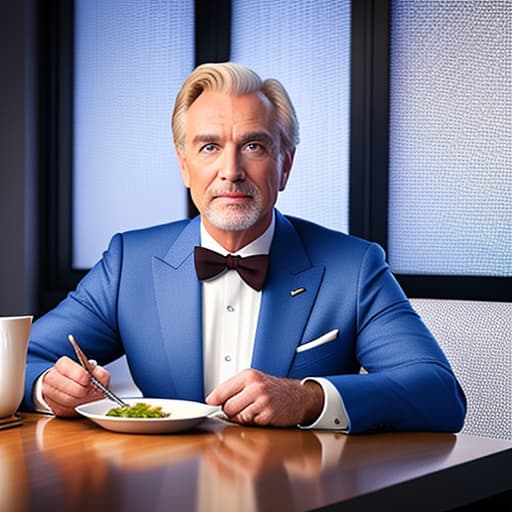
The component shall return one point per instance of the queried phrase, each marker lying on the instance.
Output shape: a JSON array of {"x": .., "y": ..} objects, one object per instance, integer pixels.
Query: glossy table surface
[{"x": 60, "y": 464}]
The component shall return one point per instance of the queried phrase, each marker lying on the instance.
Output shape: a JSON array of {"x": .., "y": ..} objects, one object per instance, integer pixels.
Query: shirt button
[
  {"x": 230, "y": 309},
  {"x": 227, "y": 358}
]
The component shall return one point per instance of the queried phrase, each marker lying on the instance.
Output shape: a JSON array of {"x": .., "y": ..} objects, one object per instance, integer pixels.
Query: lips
[{"x": 233, "y": 195}]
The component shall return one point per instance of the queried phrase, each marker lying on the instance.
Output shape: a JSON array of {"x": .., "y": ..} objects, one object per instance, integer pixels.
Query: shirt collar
[{"x": 259, "y": 246}]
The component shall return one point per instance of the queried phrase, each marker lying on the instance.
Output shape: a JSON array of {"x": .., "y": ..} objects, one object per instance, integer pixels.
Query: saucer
[{"x": 11, "y": 421}]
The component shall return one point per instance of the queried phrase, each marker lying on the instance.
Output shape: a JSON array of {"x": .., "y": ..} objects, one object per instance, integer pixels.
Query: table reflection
[
  {"x": 220, "y": 466},
  {"x": 13, "y": 473},
  {"x": 56, "y": 464},
  {"x": 248, "y": 470},
  {"x": 65, "y": 471}
]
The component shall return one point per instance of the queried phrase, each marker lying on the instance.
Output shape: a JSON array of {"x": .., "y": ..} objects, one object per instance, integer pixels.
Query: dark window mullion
[
  {"x": 379, "y": 197},
  {"x": 485, "y": 288},
  {"x": 212, "y": 36},
  {"x": 369, "y": 120},
  {"x": 212, "y": 30},
  {"x": 56, "y": 139}
]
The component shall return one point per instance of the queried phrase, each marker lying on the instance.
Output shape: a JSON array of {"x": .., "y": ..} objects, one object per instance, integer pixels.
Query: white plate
[{"x": 184, "y": 415}]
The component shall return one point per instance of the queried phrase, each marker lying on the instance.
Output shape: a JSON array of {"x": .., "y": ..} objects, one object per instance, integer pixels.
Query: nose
[{"x": 231, "y": 167}]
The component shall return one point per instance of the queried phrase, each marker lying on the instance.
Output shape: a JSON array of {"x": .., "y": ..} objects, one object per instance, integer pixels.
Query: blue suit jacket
[{"x": 143, "y": 299}]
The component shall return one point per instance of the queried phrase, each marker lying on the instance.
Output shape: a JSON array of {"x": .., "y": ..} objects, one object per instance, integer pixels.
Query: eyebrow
[
  {"x": 260, "y": 135},
  {"x": 246, "y": 137},
  {"x": 205, "y": 138}
]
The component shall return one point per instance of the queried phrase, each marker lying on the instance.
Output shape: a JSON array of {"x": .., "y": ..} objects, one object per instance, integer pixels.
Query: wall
[{"x": 18, "y": 250}]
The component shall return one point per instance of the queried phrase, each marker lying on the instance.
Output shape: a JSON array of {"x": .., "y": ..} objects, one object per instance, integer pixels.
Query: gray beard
[{"x": 233, "y": 218}]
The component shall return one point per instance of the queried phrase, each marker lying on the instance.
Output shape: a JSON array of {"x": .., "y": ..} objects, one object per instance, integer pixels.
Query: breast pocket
[{"x": 318, "y": 357}]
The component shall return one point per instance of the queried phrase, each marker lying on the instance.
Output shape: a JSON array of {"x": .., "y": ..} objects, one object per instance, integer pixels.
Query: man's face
[{"x": 233, "y": 163}]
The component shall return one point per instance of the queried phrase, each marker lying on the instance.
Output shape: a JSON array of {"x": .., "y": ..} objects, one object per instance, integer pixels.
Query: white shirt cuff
[
  {"x": 37, "y": 396},
  {"x": 334, "y": 415}
]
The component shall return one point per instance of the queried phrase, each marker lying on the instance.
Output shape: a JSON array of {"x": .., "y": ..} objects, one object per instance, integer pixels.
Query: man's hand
[
  {"x": 255, "y": 398},
  {"x": 68, "y": 385}
]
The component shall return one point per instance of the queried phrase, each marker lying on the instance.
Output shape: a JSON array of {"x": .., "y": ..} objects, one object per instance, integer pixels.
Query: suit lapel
[
  {"x": 178, "y": 297},
  {"x": 288, "y": 297}
]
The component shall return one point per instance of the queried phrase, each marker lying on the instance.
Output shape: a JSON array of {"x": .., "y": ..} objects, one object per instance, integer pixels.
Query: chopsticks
[{"x": 89, "y": 368}]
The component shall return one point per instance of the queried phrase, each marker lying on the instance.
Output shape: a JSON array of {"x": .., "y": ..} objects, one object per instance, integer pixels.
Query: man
[{"x": 285, "y": 352}]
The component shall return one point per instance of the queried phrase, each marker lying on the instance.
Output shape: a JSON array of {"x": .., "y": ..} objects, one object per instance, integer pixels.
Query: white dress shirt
[{"x": 230, "y": 315}]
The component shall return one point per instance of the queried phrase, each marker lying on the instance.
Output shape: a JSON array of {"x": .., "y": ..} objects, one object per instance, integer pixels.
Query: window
[
  {"x": 450, "y": 195},
  {"x": 306, "y": 45},
  {"x": 405, "y": 119},
  {"x": 129, "y": 62},
  {"x": 130, "y": 59}
]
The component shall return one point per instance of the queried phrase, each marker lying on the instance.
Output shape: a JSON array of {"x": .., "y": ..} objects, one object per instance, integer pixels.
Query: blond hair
[{"x": 232, "y": 78}]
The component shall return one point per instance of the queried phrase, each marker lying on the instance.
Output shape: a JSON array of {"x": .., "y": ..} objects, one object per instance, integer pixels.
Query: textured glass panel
[
  {"x": 306, "y": 45},
  {"x": 451, "y": 137},
  {"x": 131, "y": 57},
  {"x": 475, "y": 336}
]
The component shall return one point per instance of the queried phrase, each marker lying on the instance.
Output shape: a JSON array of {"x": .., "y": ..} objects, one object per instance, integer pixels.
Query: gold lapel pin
[{"x": 297, "y": 291}]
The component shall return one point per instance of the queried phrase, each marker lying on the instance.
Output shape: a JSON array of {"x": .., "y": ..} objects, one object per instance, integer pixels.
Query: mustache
[{"x": 241, "y": 188}]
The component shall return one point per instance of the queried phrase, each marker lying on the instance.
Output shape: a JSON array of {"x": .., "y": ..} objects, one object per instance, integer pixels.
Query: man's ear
[
  {"x": 185, "y": 176},
  {"x": 286, "y": 168}
]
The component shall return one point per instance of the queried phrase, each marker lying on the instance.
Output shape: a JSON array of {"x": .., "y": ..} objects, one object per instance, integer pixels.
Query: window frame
[{"x": 369, "y": 170}]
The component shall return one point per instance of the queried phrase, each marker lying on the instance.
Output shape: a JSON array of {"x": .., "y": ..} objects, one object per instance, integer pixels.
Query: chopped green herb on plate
[{"x": 139, "y": 410}]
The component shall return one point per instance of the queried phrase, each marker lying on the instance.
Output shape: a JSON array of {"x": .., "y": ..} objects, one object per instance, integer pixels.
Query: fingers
[
  {"x": 231, "y": 391},
  {"x": 102, "y": 375},
  {"x": 255, "y": 398},
  {"x": 67, "y": 385},
  {"x": 237, "y": 396}
]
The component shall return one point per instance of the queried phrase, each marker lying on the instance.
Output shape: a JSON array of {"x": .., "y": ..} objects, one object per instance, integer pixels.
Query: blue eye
[
  {"x": 255, "y": 147},
  {"x": 208, "y": 148}
]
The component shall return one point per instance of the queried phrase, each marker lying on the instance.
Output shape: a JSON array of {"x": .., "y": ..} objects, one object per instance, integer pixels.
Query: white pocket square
[{"x": 325, "y": 338}]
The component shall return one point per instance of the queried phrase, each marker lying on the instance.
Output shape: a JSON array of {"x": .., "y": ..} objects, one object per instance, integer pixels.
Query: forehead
[{"x": 213, "y": 110}]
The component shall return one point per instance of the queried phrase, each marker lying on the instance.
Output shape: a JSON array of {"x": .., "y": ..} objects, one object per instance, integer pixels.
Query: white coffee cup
[{"x": 14, "y": 335}]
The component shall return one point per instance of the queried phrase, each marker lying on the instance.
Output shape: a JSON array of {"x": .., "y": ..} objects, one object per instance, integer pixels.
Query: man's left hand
[{"x": 254, "y": 398}]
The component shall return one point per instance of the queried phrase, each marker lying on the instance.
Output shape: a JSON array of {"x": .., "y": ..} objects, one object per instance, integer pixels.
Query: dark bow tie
[{"x": 252, "y": 269}]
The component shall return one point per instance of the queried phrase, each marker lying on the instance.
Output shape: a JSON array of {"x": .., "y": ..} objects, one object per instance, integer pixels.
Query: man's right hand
[{"x": 67, "y": 385}]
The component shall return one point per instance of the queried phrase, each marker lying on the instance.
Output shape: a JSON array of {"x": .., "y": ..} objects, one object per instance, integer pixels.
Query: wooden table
[{"x": 61, "y": 465}]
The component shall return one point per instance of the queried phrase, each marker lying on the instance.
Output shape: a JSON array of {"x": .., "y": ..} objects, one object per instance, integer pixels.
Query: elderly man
[{"x": 269, "y": 316}]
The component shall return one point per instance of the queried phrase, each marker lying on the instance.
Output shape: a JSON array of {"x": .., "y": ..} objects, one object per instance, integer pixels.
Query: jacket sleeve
[
  {"x": 409, "y": 384},
  {"x": 89, "y": 313}
]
